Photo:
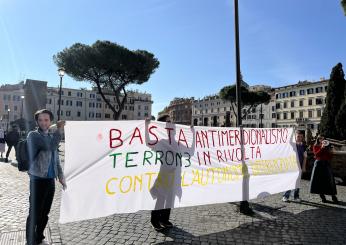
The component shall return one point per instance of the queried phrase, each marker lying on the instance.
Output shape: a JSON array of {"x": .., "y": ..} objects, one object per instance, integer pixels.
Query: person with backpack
[
  {"x": 44, "y": 168},
  {"x": 12, "y": 139},
  {"x": 2, "y": 142}
]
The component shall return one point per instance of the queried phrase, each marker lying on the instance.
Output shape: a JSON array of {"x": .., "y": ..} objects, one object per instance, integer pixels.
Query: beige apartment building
[
  {"x": 212, "y": 111},
  {"x": 301, "y": 105},
  {"x": 88, "y": 105},
  {"x": 11, "y": 103},
  {"x": 263, "y": 115},
  {"x": 23, "y": 99},
  {"x": 179, "y": 110}
]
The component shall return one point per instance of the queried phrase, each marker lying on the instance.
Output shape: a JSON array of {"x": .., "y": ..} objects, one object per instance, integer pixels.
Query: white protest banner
[{"x": 126, "y": 166}]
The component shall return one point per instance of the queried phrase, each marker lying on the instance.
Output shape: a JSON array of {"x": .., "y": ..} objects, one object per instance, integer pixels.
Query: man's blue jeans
[{"x": 295, "y": 195}]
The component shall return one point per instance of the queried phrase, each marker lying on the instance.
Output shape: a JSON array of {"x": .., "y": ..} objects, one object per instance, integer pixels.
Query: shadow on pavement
[{"x": 316, "y": 226}]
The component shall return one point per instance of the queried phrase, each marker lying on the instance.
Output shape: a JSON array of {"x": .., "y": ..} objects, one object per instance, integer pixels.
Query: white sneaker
[
  {"x": 284, "y": 199},
  {"x": 44, "y": 242},
  {"x": 297, "y": 199}
]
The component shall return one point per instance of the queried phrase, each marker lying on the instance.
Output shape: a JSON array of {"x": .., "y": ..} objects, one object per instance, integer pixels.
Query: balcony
[{"x": 300, "y": 120}]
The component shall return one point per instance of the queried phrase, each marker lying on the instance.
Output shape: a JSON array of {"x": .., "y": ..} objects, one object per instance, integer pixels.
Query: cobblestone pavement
[{"x": 275, "y": 222}]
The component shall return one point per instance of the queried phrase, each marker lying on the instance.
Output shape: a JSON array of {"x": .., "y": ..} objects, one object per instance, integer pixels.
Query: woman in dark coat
[{"x": 322, "y": 179}]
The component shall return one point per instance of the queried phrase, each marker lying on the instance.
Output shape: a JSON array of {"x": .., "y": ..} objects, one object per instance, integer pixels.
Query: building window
[
  {"x": 15, "y": 108},
  {"x": 319, "y": 101},
  {"x": 311, "y": 126},
  {"x": 278, "y": 116},
  {"x": 301, "y": 114},
  {"x": 301, "y": 103},
  {"x": 6, "y": 107},
  {"x": 285, "y": 104},
  {"x": 146, "y": 107},
  {"x": 310, "y": 91},
  {"x": 78, "y": 114},
  {"x": 62, "y": 102},
  {"x": 124, "y": 117},
  {"x": 68, "y": 113},
  {"x": 79, "y": 103},
  {"x": 277, "y": 105},
  {"x": 69, "y": 93},
  {"x": 292, "y": 104},
  {"x": 292, "y": 115},
  {"x": 319, "y": 90},
  {"x": 273, "y": 108},
  {"x": 285, "y": 115},
  {"x": 319, "y": 112},
  {"x": 139, "y": 114},
  {"x": 302, "y": 92},
  {"x": 310, "y": 114},
  {"x": 98, "y": 115},
  {"x": 273, "y": 125},
  {"x": 310, "y": 101},
  {"x": 273, "y": 115},
  {"x": 292, "y": 93}
]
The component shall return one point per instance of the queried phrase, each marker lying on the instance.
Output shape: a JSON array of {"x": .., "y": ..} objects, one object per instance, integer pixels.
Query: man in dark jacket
[{"x": 12, "y": 139}]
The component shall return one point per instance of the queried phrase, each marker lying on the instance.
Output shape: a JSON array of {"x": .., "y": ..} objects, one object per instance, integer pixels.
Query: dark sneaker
[
  {"x": 6, "y": 159},
  {"x": 157, "y": 226},
  {"x": 166, "y": 224},
  {"x": 323, "y": 198},
  {"x": 335, "y": 199},
  {"x": 247, "y": 211}
]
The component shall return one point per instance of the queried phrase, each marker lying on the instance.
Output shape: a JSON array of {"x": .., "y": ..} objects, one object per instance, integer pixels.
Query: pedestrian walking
[
  {"x": 2, "y": 142},
  {"x": 12, "y": 139},
  {"x": 322, "y": 178},
  {"x": 44, "y": 168},
  {"x": 302, "y": 155}
]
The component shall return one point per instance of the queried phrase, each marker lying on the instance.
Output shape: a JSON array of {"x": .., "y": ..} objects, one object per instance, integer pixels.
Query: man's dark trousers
[{"x": 41, "y": 198}]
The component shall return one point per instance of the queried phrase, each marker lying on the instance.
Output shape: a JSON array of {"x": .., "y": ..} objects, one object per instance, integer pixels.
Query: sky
[{"x": 281, "y": 42}]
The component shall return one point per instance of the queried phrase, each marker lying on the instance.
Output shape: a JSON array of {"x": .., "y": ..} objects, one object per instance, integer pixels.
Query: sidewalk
[{"x": 275, "y": 222}]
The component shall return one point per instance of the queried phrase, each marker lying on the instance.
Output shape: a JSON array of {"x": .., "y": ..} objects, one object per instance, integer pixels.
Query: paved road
[{"x": 275, "y": 222}]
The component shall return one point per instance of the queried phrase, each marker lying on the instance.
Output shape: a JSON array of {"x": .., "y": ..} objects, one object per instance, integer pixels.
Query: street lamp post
[
  {"x": 21, "y": 113},
  {"x": 8, "y": 118},
  {"x": 237, "y": 56},
  {"x": 244, "y": 205},
  {"x": 61, "y": 72}
]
